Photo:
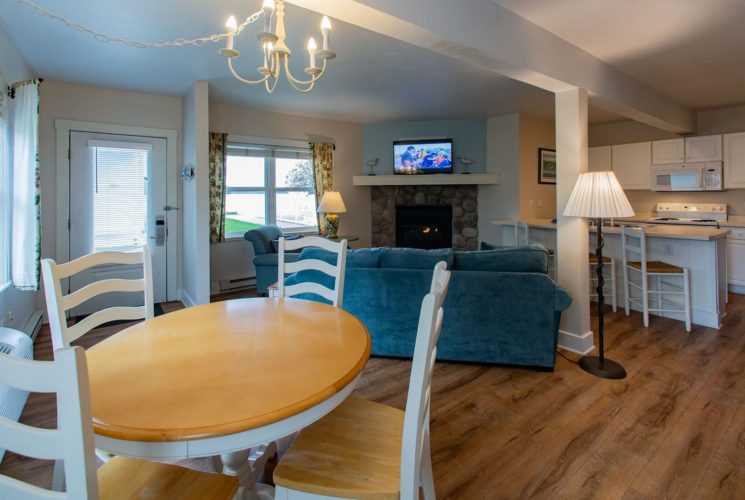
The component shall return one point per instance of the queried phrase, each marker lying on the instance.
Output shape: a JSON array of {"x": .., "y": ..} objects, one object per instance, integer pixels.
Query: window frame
[
  {"x": 270, "y": 188},
  {"x": 6, "y": 204}
]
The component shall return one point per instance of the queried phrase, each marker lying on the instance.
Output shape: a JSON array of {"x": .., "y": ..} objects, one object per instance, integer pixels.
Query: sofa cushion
[
  {"x": 527, "y": 259},
  {"x": 261, "y": 238},
  {"x": 414, "y": 258},
  {"x": 356, "y": 258}
]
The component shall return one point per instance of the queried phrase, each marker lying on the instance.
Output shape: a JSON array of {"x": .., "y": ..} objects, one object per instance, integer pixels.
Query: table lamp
[
  {"x": 598, "y": 195},
  {"x": 332, "y": 205}
]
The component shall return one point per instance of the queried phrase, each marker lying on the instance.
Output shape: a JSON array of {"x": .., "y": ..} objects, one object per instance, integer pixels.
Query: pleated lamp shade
[{"x": 598, "y": 194}]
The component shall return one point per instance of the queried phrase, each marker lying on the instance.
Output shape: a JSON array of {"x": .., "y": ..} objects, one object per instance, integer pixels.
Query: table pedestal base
[{"x": 246, "y": 465}]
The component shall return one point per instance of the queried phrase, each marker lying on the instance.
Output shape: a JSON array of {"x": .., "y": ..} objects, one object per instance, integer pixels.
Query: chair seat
[
  {"x": 128, "y": 478},
  {"x": 594, "y": 259},
  {"x": 353, "y": 452},
  {"x": 654, "y": 266}
]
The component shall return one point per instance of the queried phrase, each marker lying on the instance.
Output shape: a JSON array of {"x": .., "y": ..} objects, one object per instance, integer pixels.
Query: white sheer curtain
[{"x": 26, "y": 226}]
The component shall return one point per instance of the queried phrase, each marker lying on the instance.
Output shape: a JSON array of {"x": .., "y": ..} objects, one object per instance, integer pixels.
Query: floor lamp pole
[{"x": 598, "y": 365}]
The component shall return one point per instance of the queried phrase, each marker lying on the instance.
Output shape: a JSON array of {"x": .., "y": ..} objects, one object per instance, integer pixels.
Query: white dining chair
[
  {"x": 58, "y": 304},
  {"x": 522, "y": 238},
  {"x": 334, "y": 295},
  {"x": 634, "y": 243},
  {"x": 610, "y": 278},
  {"x": 72, "y": 441},
  {"x": 364, "y": 449}
]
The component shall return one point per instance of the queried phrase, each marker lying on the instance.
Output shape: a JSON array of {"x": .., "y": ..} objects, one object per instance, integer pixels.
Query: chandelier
[{"x": 277, "y": 54}]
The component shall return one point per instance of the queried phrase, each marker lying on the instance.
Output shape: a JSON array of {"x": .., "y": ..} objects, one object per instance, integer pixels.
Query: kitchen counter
[{"x": 705, "y": 233}]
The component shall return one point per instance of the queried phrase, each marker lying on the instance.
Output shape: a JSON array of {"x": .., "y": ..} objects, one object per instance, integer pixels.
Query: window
[
  {"x": 120, "y": 194},
  {"x": 5, "y": 194},
  {"x": 269, "y": 185}
]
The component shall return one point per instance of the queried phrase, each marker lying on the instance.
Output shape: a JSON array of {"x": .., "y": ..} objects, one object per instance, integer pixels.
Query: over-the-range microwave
[{"x": 688, "y": 177}]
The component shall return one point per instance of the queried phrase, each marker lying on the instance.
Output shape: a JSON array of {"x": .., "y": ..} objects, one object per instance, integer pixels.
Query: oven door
[{"x": 679, "y": 179}]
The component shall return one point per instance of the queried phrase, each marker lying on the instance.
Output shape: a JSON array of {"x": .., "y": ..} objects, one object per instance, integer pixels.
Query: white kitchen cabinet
[
  {"x": 668, "y": 151},
  {"x": 736, "y": 258},
  {"x": 734, "y": 161},
  {"x": 599, "y": 159},
  {"x": 632, "y": 164},
  {"x": 704, "y": 148}
]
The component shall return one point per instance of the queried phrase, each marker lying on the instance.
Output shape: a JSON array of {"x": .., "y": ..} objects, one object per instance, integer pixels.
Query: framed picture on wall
[{"x": 546, "y": 166}]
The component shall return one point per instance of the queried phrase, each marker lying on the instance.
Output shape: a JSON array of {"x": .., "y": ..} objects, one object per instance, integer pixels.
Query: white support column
[{"x": 572, "y": 235}]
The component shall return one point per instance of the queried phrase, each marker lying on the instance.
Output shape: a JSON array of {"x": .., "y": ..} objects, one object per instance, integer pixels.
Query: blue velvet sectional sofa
[{"x": 501, "y": 307}]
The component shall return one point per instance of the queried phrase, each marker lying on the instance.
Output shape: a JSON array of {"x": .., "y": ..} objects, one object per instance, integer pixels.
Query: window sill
[
  {"x": 5, "y": 286},
  {"x": 239, "y": 236}
]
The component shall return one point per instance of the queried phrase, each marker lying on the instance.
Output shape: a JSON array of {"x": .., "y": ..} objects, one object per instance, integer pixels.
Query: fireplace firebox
[{"x": 424, "y": 226}]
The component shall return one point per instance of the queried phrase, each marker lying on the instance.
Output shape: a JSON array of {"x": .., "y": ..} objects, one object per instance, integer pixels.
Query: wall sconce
[
  {"x": 466, "y": 163},
  {"x": 371, "y": 164},
  {"x": 187, "y": 173}
]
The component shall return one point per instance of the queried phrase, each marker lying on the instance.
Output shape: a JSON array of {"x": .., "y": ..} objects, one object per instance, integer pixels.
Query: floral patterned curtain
[
  {"x": 26, "y": 224},
  {"x": 323, "y": 174},
  {"x": 217, "y": 186}
]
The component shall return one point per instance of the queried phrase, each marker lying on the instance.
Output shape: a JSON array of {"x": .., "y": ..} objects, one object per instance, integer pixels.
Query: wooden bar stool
[
  {"x": 609, "y": 279},
  {"x": 660, "y": 272}
]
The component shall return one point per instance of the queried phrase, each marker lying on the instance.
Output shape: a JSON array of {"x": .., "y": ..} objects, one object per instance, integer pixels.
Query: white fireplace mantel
[{"x": 425, "y": 180}]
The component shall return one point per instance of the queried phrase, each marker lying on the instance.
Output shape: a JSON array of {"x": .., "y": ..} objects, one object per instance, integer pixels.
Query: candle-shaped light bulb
[
  {"x": 268, "y": 8},
  {"x": 232, "y": 28},
  {"x": 266, "y": 52},
  {"x": 312, "y": 48},
  {"x": 325, "y": 29}
]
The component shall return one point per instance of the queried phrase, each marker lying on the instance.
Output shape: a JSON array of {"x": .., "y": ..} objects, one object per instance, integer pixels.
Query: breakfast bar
[{"x": 703, "y": 250}]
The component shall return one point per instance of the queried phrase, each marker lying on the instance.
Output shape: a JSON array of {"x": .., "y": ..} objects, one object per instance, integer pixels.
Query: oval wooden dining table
[{"x": 221, "y": 378}]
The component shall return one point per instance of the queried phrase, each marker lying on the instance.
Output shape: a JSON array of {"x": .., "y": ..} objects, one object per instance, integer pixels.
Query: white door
[
  {"x": 704, "y": 148},
  {"x": 632, "y": 164},
  {"x": 668, "y": 151},
  {"x": 734, "y": 161},
  {"x": 117, "y": 202}
]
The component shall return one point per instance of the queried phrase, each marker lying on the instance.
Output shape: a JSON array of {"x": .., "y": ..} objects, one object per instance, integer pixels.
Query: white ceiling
[{"x": 689, "y": 50}]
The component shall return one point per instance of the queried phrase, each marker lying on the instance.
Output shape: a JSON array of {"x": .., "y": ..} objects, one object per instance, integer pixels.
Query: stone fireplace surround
[{"x": 463, "y": 199}]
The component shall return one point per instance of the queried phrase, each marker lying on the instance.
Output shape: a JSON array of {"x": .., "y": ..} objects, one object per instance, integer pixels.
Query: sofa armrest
[{"x": 562, "y": 300}]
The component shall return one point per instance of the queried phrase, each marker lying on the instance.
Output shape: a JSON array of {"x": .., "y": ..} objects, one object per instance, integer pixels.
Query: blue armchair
[{"x": 264, "y": 240}]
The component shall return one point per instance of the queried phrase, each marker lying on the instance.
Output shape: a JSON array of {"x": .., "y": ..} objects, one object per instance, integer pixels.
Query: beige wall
[
  {"x": 536, "y": 200},
  {"x": 347, "y": 136},
  {"x": 716, "y": 121}
]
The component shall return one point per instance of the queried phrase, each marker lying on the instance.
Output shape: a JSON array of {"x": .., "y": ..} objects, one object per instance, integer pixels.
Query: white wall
[
  {"x": 348, "y": 162},
  {"x": 501, "y": 201},
  {"x": 19, "y": 304},
  {"x": 196, "y": 250}
]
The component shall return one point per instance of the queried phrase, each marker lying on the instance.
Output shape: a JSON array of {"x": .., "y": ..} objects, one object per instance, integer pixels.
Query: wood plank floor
[{"x": 674, "y": 428}]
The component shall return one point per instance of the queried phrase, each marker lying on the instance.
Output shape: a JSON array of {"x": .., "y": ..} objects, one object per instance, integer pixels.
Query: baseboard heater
[
  {"x": 12, "y": 400},
  {"x": 229, "y": 285}
]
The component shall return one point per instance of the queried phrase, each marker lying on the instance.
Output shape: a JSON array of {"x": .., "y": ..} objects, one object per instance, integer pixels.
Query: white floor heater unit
[{"x": 12, "y": 400}]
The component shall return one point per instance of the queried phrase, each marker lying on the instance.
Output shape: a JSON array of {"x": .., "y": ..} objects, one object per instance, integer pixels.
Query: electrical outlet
[
  {"x": 540, "y": 203},
  {"x": 668, "y": 248},
  {"x": 530, "y": 203}
]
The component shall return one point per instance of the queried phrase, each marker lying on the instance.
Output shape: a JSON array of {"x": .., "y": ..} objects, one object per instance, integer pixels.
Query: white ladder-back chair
[
  {"x": 364, "y": 449},
  {"x": 58, "y": 304},
  {"x": 522, "y": 238},
  {"x": 72, "y": 442},
  {"x": 634, "y": 242},
  {"x": 335, "y": 295},
  {"x": 610, "y": 279}
]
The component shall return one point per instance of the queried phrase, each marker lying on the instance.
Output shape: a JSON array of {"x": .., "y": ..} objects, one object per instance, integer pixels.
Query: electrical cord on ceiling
[{"x": 104, "y": 38}]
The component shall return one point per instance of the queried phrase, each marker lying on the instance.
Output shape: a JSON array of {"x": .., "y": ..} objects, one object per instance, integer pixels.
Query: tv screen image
[{"x": 423, "y": 157}]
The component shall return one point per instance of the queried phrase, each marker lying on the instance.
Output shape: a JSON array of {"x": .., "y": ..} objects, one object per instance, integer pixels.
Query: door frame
[{"x": 64, "y": 127}]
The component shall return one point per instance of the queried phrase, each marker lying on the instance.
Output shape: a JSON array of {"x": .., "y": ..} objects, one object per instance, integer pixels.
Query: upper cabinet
[
  {"x": 632, "y": 164},
  {"x": 704, "y": 148},
  {"x": 734, "y": 161},
  {"x": 599, "y": 159},
  {"x": 669, "y": 151}
]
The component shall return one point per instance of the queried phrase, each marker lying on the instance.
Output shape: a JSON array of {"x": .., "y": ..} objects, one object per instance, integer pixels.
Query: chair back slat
[
  {"x": 58, "y": 304},
  {"x": 72, "y": 441},
  {"x": 522, "y": 233},
  {"x": 89, "y": 291},
  {"x": 634, "y": 243},
  {"x": 416, "y": 419},
  {"x": 335, "y": 295}
]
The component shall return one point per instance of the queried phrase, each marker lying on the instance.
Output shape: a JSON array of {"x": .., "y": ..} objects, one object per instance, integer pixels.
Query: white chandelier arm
[
  {"x": 273, "y": 86},
  {"x": 313, "y": 79},
  {"x": 241, "y": 79}
]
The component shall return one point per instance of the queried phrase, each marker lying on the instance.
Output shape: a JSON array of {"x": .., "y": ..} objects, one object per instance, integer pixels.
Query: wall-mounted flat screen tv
[{"x": 431, "y": 156}]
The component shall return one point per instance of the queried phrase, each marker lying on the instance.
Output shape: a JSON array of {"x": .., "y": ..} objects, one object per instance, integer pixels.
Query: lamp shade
[
  {"x": 598, "y": 194},
  {"x": 331, "y": 203}
]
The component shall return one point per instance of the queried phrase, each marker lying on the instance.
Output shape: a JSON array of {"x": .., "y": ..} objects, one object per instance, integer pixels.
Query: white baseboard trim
[
  {"x": 33, "y": 325},
  {"x": 579, "y": 343},
  {"x": 739, "y": 289},
  {"x": 186, "y": 298}
]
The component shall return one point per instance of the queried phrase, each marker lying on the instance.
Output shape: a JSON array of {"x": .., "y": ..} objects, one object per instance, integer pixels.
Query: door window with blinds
[
  {"x": 268, "y": 185},
  {"x": 120, "y": 194}
]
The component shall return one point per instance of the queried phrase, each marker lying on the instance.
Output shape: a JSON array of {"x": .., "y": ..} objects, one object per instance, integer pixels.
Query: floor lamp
[{"x": 598, "y": 195}]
